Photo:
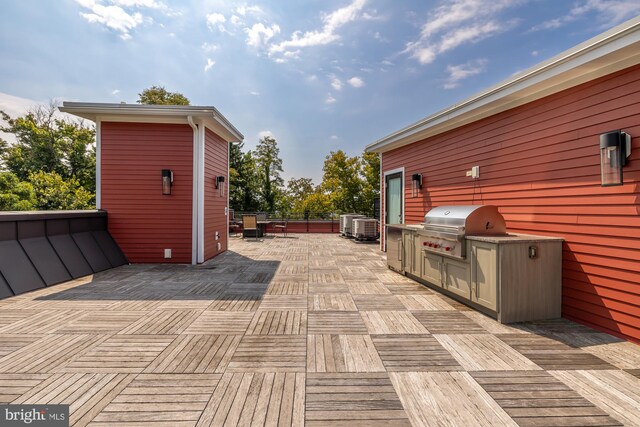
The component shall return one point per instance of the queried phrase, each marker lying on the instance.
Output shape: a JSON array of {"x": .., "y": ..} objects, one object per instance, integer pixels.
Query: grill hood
[{"x": 467, "y": 219}]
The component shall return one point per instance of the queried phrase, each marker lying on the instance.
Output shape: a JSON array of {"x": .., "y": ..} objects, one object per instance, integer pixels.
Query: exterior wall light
[
  {"x": 416, "y": 184},
  {"x": 220, "y": 184},
  {"x": 167, "y": 181},
  {"x": 615, "y": 147}
]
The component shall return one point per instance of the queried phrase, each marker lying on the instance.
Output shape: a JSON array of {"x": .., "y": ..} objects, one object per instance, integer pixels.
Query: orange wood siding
[
  {"x": 141, "y": 219},
  {"x": 539, "y": 163},
  {"x": 215, "y": 164}
]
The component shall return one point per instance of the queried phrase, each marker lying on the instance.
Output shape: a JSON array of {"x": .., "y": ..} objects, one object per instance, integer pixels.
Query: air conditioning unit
[
  {"x": 346, "y": 223},
  {"x": 365, "y": 229}
]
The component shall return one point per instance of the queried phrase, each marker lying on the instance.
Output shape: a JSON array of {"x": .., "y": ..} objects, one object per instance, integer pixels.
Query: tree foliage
[
  {"x": 158, "y": 95},
  {"x": 52, "y": 161},
  {"x": 243, "y": 180},
  {"x": 269, "y": 166}
]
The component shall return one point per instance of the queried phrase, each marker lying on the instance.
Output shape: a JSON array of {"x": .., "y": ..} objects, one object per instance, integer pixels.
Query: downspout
[
  {"x": 201, "y": 194},
  {"x": 98, "y": 163},
  {"x": 194, "y": 201}
]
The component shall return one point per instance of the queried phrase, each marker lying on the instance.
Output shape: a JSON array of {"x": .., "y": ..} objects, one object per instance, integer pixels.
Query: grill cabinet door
[
  {"x": 456, "y": 275},
  {"x": 484, "y": 274},
  {"x": 408, "y": 256},
  {"x": 431, "y": 268}
]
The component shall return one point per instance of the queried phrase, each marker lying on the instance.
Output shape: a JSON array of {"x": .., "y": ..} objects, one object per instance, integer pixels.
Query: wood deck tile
[
  {"x": 235, "y": 303},
  {"x": 48, "y": 354},
  {"x": 372, "y": 287},
  {"x": 355, "y": 273},
  {"x": 448, "y": 322},
  {"x": 291, "y": 322},
  {"x": 342, "y": 353},
  {"x": 491, "y": 325},
  {"x": 536, "y": 398},
  {"x": 254, "y": 399},
  {"x": 414, "y": 353},
  {"x": 617, "y": 352},
  {"x": 447, "y": 399},
  {"x": 163, "y": 322},
  {"x": 220, "y": 323},
  {"x": 160, "y": 399},
  {"x": 195, "y": 354},
  {"x": 8, "y": 317},
  {"x": 328, "y": 288},
  {"x": 12, "y": 386},
  {"x": 255, "y": 277},
  {"x": 288, "y": 288},
  {"x": 355, "y": 399},
  {"x": 378, "y": 303},
  {"x": 331, "y": 302},
  {"x": 392, "y": 322},
  {"x": 325, "y": 276},
  {"x": 270, "y": 353},
  {"x": 120, "y": 353},
  {"x": 293, "y": 268},
  {"x": 615, "y": 392},
  {"x": 407, "y": 288},
  {"x": 283, "y": 302},
  {"x": 43, "y": 322},
  {"x": 634, "y": 372},
  {"x": 101, "y": 322},
  {"x": 422, "y": 302},
  {"x": 12, "y": 342},
  {"x": 187, "y": 302},
  {"x": 335, "y": 322},
  {"x": 86, "y": 394},
  {"x": 477, "y": 352},
  {"x": 550, "y": 354}
]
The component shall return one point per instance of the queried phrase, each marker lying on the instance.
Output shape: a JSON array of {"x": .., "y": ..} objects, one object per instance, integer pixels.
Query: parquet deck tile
[
  {"x": 163, "y": 322},
  {"x": 255, "y": 399},
  {"x": 536, "y": 398},
  {"x": 12, "y": 386},
  {"x": 355, "y": 399},
  {"x": 290, "y": 322},
  {"x": 12, "y": 342},
  {"x": 331, "y": 302},
  {"x": 220, "y": 323},
  {"x": 328, "y": 288},
  {"x": 392, "y": 322},
  {"x": 101, "y": 322},
  {"x": 335, "y": 322},
  {"x": 371, "y": 287},
  {"x": 378, "y": 303},
  {"x": 235, "y": 303},
  {"x": 288, "y": 288},
  {"x": 414, "y": 353},
  {"x": 448, "y": 322},
  {"x": 407, "y": 288},
  {"x": 195, "y": 354},
  {"x": 270, "y": 353},
  {"x": 283, "y": 302},
  {"x": 120, "y": 353},
  {"x": 425, "y": 302},
  {"x": 551, "y": 354},
  {"x": 342, "y": 353}
]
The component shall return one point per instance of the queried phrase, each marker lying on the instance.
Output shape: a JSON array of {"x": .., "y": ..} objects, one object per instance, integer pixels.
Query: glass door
[{"x": 392, "y": 201}]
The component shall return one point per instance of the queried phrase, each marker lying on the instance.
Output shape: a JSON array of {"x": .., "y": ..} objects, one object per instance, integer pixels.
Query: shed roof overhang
[
  {"x": 109, "y": 112},
  {"x": 611, "y": 51}
]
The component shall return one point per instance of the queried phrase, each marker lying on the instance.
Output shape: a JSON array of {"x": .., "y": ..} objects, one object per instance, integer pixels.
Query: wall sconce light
[
  {"x": 416, "y": 184},
  {"x": 615, "y": 147},
  {"x": 167, "y": 181},
  {"x": 220, "y": 184}
]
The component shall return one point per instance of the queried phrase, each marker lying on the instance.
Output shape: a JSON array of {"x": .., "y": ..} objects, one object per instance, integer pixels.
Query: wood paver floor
[{"x": 305, "y": 330}]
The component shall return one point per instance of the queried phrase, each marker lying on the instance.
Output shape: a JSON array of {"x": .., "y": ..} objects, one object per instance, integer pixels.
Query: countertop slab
[{"x": 515, "y": 238}]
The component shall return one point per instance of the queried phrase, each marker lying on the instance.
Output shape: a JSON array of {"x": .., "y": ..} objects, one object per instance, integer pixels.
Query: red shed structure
[
  {"x": 531, "y": 146},
  {"x": 162, "y": 175}
]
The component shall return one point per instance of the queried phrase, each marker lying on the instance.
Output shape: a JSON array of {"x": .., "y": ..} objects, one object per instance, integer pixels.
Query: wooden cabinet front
[
  {"x": 455, "y": 277},
  {"x": 432, "y": 268},
  {"x": 484, "y": 274}
]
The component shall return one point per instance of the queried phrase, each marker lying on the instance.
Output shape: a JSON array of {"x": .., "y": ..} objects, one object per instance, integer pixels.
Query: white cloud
[
  {"x": 210, "y": 63},
  {"x": 332, "y": 22},
  {"x": 115, "y": 91},
  {"x": 607, "y": 13},
  {"x": 330, "y": 99},
  {"x": 113, "y": 17},
  {"x": 387, "y": 63},
  {"x": 254, "y": 93},
  {"x": 218, "y": 19},
  {"x": 356, "y": 82},
  {"x": 151, "y": 4},
  {"x": 312, "y": 78},
  {"x": 251, "y": 10},
  {"x": 210, "y": 47},
  {"x": 336, "y": 84},
  {"x": 458, "y": 22},
  {"x": 333, "y": 137},
  {"x": 265, "y": 133},
  {"x": 258, "y": 35},
  {"x": 463, "y": 71},
  {"x": 535, "y": 53}
]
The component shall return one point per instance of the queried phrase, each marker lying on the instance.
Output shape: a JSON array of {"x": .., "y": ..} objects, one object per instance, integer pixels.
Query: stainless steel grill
[{"x": 445, "y": 227}]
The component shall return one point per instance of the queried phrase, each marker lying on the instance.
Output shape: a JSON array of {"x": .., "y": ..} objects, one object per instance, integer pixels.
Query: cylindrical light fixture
[
  {"x": 220, "y": 184},
  {"x": 416, "y": 184},
  {"x": 167, "y": 181},
  {"x": 615, "y": 147}
]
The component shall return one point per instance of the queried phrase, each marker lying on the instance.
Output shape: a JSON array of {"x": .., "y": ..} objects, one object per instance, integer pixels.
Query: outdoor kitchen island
[{"x": 512, "y": 277}]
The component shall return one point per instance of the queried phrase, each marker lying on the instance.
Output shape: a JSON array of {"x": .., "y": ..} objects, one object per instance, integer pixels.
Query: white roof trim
[
  {"x": 611, "y": 51},
  {"x": 154, "y": 114}
]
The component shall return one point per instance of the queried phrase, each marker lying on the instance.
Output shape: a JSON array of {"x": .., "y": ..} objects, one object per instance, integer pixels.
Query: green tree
[
  {"x": 269, "y": 166},
  {"x": 298, "y": 189},
  {"x": 52, "y": 191},
  {"x": 243, "y": 180},
  {"x": 15, "y": 195},
  {"x": 342, "y": 181},
  {"x": 158, "y": 95},
  {"x": 370, "y": 171}
]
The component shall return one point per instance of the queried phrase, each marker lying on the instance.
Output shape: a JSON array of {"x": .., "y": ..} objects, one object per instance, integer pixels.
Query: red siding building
[
  {"x": 134, "y": 145},
  {"x": 535, "y": 138}
]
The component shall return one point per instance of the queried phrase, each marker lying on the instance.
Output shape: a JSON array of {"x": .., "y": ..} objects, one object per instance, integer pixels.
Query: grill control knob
[
  {"x": 435, "y": 245},
  {"x": 447, "y": 248},
  {"x": 424, "y": 243}
]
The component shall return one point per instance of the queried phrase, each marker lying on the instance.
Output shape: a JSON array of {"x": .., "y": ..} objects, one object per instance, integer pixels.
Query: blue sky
[{"x": 317, "y": 75}]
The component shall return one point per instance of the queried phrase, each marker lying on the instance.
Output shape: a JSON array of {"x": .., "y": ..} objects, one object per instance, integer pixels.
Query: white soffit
[
  {"x": 612, "y": 51},
  {"x": 109, "y": 112}
]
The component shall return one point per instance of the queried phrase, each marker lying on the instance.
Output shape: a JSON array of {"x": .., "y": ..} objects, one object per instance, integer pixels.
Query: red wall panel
[
  {"x": 215, "y": 164},
  {"x": 539, "y": 163},
  {"x": 141, "y": 219}
]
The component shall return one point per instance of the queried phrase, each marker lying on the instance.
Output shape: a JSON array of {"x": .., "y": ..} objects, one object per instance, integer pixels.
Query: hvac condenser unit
[
  {"x": 365, "y": 229},
  {"x": 346, "y": 223}
]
